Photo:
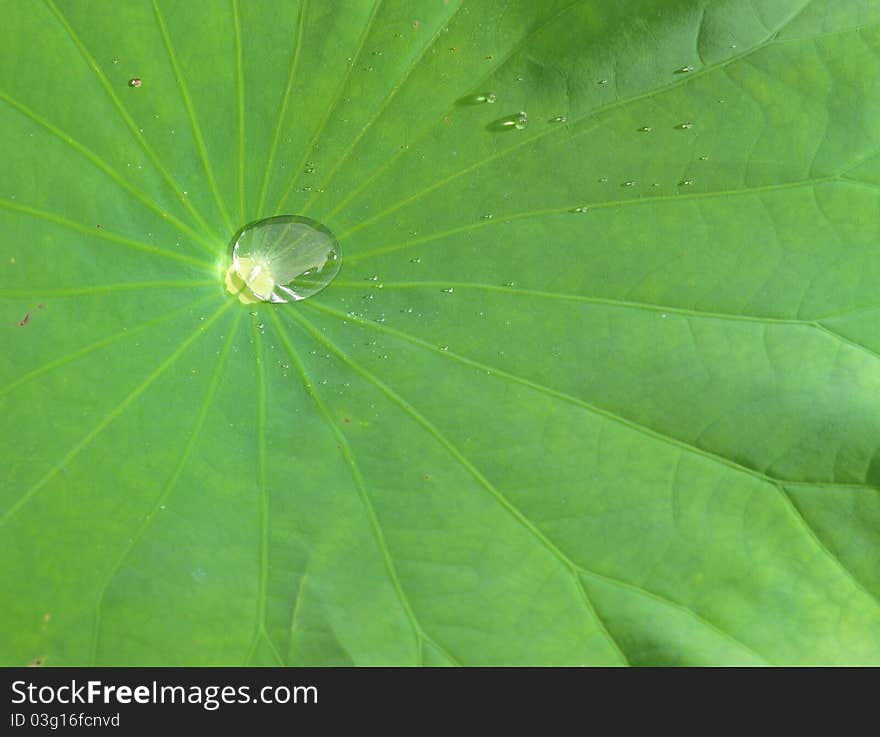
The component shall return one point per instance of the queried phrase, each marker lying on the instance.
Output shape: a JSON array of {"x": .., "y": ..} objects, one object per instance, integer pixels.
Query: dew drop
[
  {"x": 704, "y": 158},
  {"x": 684, "y": 126},
  {"x": 282, "y": 259},
  {"x": 686, "y": 183},
  {"x": 443, "y": 348},
  {"x": 629, "y": 183},
  {"x": 646, "y": 129},
  {"x": 559, "y": 119},
  {"x": 135, "y": 82},
  {"x": 602, "y": 81},
  {"x": 416, "y": 260},
  {"x": 487, "y": 216},
  {"x": 482, "y": 97},
  {"x": 685, "y": 69},
  {"x": 448, "y": 290},
  {"x": 603, "y": 180},
  {"x": 511, "y": 122},
  {"x": 581, "y": 209},
  {"x": 114, "y": 60}
]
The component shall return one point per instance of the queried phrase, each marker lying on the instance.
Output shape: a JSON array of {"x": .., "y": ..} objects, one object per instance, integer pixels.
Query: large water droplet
[
  {"x": 282, "y": 259},
  {"x": 511, "y": 122}
]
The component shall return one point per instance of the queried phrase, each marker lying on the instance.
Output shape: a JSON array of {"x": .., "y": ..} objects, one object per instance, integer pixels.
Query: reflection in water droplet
[
  {"x": 581, "y": 209},
  {"x": 684, "y": 70},
  {"x": 684, "y": 126},
  {"x": 135, "y": 82},
  {"x": 282, "y": 259},
  {"x": 645, "y": 129}
]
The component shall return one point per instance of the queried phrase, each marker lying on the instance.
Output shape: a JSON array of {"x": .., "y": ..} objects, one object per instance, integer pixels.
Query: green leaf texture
[{"x": 601, "y": 391}]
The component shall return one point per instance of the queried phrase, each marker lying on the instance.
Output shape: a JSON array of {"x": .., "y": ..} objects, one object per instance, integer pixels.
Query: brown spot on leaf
[{"x": 37, "y": 662}]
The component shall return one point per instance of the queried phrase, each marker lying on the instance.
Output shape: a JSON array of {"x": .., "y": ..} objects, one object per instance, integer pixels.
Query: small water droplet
[
  {"x": 684, "y": 69},
  {"x": 448, "y": 290},
  {"x": 581, "y": 209},
  {"x": 443, "y": 348},
  {"x": 487, "y": 216},
  {"x": 507, "y": 284},
  {"x": 603, "y": 180},
  {"x": 704, "y": 158},
  {"x": 559, "y": 119},
  {"x": 282, "y": 259},
  {"x": 416, "y": 260},
  {"x": 135, "y": 82},
  {"x": 114, "y": 60},
  {"x": 646, "y": 129},
  {"x": 629, "y": 183},
  {"x": 686, "y": 183},
  {"x": 602, "y": 81},
  {"x": 684, "y": 126},
  {"x": 309, "y": 168}
]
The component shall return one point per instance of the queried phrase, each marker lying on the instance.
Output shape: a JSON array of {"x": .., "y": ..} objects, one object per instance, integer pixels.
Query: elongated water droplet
[
  {"x": 685, "y": 69},
  {"x": 646, "y": 129},
  {"x": 448, "y": 290},
  {"x": 559, "y": 119},
  {"x": 684, "y": 126},
  {"x": 478, "y": 99},
  {"x": 511, "y": 122},
  {"x": 629, "y": 183},
  {"x": 685, "y": 182},
  {"x": 581, "y": 209},
  {"x": 282, "y": 259},
  {"x": 135, "y": 82},
  {"x": 603, "y": 81}
]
